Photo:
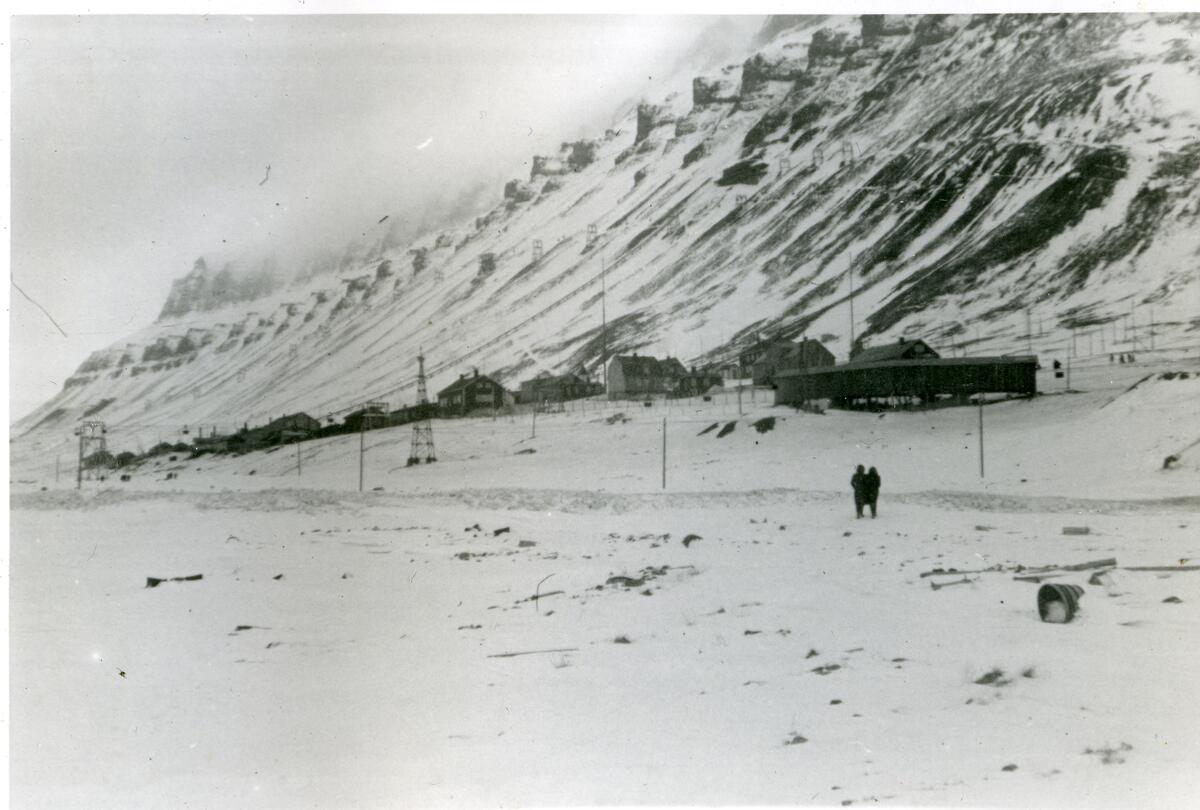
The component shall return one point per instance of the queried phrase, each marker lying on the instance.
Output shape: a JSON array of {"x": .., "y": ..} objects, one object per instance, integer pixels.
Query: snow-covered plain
[{"x": 353, "y": 650}]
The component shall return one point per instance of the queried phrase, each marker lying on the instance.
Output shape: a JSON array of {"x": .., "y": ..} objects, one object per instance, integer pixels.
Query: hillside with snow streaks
[{"x": 967, "y": 175}]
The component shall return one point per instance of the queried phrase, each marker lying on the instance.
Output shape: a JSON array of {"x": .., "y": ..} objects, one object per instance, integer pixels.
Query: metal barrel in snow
[{"x": 1058, "y": 603}]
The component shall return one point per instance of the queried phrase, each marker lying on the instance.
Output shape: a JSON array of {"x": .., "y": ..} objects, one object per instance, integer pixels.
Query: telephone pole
[
  {"x": 370, "y": 412},
  {"x": 300, "y": 435},
  {"x": 604, "y": 323},
  {"x": 850, "y": 277},
  {"x": 981, "y": 436}
]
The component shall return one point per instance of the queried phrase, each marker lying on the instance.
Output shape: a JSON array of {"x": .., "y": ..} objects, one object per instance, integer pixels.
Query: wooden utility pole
[
  {"x": 981, "y": 436},
  {"x": 299, "y": 434},
  {"x": 850, "y": 276},
  {"x": 370, "y": 412},
  {"x": 603, "y": 323},
  {"x": 664, "y": 454}
]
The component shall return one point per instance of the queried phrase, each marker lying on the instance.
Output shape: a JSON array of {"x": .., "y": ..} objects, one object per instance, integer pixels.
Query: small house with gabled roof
[
  {"x": 470, "y": 392},
  {"x": 781, "y": 355}
]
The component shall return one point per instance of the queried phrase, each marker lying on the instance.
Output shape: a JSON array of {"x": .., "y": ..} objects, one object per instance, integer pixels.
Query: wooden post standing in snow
[
  {"x": 299, "y": 434},
  {"x": 981, "y": 436},
  {"x": 664, "y": 454}
]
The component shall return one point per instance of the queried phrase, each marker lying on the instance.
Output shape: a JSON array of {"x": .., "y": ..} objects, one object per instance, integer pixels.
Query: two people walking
[{"x": 866, "y": 489}]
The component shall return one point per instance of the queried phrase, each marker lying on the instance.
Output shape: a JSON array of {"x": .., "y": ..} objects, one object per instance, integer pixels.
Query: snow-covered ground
[{"x": 356, "y": 650}]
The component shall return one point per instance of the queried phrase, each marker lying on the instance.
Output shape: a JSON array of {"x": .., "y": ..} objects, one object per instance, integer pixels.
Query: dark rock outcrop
[
  {"x": 686, "y": 125},
  {"x": 520, "y": 192},
  {"x": 583, "y": 154},
  {"x": 201, "y": 291},
  {"x": 544, "y": 166},
  {"x": 933, "y": 28},
  {"x": 420, "y": 259},
  {"x": 877, "y": 26},
  {"x": 699, "y": 151},
  {"x": 649, "y": 117},
  {"x": 721, "y": 89},
  {"x": 830, "y": 46},
  {"x": 747, "y": 172},
  {"x": 758, "y": 133},
  {"x": 758, "y": 70}
]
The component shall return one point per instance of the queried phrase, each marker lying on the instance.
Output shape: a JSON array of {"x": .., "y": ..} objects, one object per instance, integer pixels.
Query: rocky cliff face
[
  {"x": 202, "y": 290},
  {"x": 965, "y": 176}
]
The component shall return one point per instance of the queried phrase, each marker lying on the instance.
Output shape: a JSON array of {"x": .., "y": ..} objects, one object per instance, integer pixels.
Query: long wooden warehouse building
[{"x": 908, "y": 369}]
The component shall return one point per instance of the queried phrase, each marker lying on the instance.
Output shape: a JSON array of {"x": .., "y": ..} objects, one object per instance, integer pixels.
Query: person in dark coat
[
  {"x": 858, "y": 482},
  {"x": 871, "y": 489}
]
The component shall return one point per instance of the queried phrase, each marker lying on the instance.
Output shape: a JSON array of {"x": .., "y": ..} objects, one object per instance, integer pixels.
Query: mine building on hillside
[
  {"x": 631, "y": 376},
  {"x": 547, "y": 387},
  {"x": 788, "y": 355},
  {"x": 906, "y": 371},
  {"x": 470, "y": 392}
]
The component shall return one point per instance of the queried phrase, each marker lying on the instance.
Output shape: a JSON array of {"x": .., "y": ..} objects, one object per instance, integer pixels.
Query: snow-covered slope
[{"x": 989, "y": 183}]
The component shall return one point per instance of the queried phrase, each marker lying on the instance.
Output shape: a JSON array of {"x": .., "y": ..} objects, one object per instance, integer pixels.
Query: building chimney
[{"x": 476, "y": 372}]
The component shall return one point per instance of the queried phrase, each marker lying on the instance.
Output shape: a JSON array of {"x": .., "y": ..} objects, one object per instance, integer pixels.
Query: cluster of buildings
[{"x": 800, "y": 372}]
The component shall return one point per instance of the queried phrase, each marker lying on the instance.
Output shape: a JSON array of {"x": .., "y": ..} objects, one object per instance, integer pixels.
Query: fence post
[
  {"x": 664, "y": 454},
  {"x": 981, "y": 436}
]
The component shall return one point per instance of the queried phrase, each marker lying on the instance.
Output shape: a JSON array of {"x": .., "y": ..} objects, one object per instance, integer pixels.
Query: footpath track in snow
[{"x": 583, "y": 502}]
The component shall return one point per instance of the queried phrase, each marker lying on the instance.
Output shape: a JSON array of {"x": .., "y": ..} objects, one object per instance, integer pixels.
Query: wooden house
[
  {"x": 900, "y": 350},
  {"x": 547, "y": 387},
  {"x": 782, "y": 355},
  {"x": 698, "y": 382},
  {"x": 470, "y": 392},
  {"x": 632, "y": 376}
]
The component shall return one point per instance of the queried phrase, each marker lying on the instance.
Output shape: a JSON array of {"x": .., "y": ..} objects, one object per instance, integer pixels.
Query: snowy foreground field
[{"x": 737, "y": 638}]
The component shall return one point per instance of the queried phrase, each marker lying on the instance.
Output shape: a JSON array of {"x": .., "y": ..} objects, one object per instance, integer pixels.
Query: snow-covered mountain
[{"x": 988, "y": 183}]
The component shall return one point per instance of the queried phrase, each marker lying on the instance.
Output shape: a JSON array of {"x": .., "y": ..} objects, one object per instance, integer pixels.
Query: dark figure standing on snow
[
  {"x": 858, "y": 482},
  {"x": 871, "y": 489}
]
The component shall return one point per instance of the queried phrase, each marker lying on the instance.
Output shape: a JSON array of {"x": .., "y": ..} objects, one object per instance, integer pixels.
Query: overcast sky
[{"x": 139, "y": 143}]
